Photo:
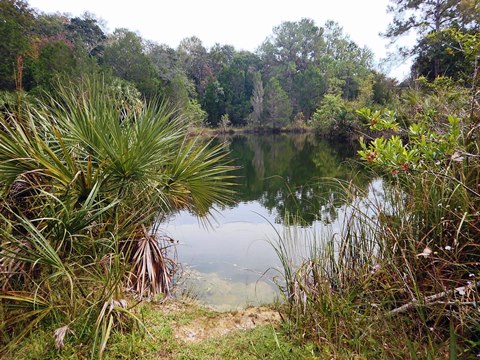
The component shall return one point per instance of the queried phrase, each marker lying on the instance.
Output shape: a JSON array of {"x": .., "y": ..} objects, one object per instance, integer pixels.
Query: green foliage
[
  {"x": 438, "y": 52},
  {"x": 255, "y": 119},
  {"x": 54, "y": 59},
  {"x": 332, "y": 118},
  {"x": 236, "y": 80},
  {"x": 126, "y": 56},
  {"x": 16, "y": 22},
  {"x": 87, "y": 31},
  {"x": 214, "y": 102},
  {"x": 424, "y": 150},
  {"x": 403, "y": 266},
  {"x": 180, "y": 92},
  {"x": 225, "y": 122},
  {"x": 305, "y": 59},
  {"x": 453, "y": 50},
  {"x": 84, "y": 177},
  {"x": 379, "y": 120},
  {"x": 192, "y": 57},
  {"x": 277, "y": 105}
]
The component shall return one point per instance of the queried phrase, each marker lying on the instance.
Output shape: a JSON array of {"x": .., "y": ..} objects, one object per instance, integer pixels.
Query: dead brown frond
[
  {"x": 153, "y": 269},
  {"x": 60, "y": 336}
]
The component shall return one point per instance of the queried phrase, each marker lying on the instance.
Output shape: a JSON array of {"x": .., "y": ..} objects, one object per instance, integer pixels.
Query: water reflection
[
  {"x": 279, "y": 177},
  {"x": 291, "y": 174}
]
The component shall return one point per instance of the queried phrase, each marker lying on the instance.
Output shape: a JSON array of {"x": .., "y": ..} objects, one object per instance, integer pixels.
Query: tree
[
  {"x": 180, "y": 92},
  {"x": 430, "y": 17},
  {"x": 309, "y": 86},
  {"x": 278, "y": 107},
  {"x": 55, "y": 57},
  {"x": 236, "y": 79},
  {"x": 194, "y": 60},
  {"x": 293, "y": 44},
  {"x": 443, "y": 50},
  {"x": 256, "y": 117},
  {"x": 220, "y": 56},
  {"x": 329, "y": 118},
  {"x": 16, "y": 22},
  {"x": 50, "y": 25},
  {"x": 293, "y": 47},
  {"x": 125, "y": 55},
  {"x": 344, "y": 63},
  {"x": 87, "y": 31},
  {"x": 166, "y": 61},
  {"x": 213, "y": 102}
]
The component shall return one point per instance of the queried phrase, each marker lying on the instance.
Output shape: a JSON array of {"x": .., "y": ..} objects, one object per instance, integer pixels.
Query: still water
[{"x": 228, "y": 263}]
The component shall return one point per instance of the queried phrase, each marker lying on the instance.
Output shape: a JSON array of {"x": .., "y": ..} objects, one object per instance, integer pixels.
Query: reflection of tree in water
[
  {"x": 258, "y": 158},
  {"x": 287, "y": 173}
]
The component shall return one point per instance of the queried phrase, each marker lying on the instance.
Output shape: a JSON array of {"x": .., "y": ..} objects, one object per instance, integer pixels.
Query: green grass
[
  {"x": 262, "y": 342},
  {"x": 343, "y": 288}
]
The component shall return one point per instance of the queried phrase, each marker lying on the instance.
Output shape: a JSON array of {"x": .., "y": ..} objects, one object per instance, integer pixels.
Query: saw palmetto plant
[{"x": 83, "y": 180}]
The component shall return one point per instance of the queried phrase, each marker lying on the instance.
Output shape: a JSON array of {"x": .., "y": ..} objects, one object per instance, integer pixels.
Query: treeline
[{"x": 295, "y": 71}]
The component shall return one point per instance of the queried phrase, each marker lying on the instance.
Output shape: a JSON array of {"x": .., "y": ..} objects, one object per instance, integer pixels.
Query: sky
[{"x": 244, "y": 24}]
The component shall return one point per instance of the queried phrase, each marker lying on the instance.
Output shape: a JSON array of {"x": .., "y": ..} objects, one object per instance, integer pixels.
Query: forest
[
  {"x": 285, "y": 80},
  {"x": 96, "y": 146}
]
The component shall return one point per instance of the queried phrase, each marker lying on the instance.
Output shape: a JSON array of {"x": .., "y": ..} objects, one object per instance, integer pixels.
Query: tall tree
[
  {"x": 446, "y": 49},
  {"x": 428, "y": 17},
  {"x": 193, "y": 57},
  {"x": 125, "y": 55},
  {"x": 236, "y": 79},
  {"x": 166, "y": 61},
  {"x": 55, "y": 57},
  {"x": 256, "y": 117},
  {"x": 16, "y": 22},
  {"x": 290, "y": 50},
  {"x": 278, "y": 107},
  {"x": 213, "y": 102},
  {"x": 220, "y": 56},
  {"x": 344, "y": 63},
  {"x": 87, "y": 31}
]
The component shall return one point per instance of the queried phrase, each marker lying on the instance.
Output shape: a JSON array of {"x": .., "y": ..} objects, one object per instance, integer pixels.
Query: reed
[{"x": 398, "y": 279}]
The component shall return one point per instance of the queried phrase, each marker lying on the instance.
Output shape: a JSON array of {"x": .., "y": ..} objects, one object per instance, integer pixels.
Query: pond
[{"x": 228, "y": 263}]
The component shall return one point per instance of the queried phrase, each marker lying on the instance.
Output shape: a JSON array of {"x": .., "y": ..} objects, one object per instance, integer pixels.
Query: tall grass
[
  {"x": 83, "y": 179},
  {"x": 398, "y": 279}
]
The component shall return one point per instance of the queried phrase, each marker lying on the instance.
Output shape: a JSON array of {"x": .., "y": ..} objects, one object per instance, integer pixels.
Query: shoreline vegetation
[
  {"x": 249, "y": 130},
  {"x": 92, "y": 155}
]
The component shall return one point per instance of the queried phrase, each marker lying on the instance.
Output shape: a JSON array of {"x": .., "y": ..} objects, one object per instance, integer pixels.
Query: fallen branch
[{"x": 430, "y": 299}]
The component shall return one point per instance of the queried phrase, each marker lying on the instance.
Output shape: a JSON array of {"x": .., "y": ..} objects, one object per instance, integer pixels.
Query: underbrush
[
  {"x": 400, "y": 278},
  {"x": 387, "y": 284}
]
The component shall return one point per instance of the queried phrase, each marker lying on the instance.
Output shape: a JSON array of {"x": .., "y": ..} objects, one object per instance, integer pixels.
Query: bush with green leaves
[
  {"x": 435, "y": 162},
  {"x": 333, "y": 118}
]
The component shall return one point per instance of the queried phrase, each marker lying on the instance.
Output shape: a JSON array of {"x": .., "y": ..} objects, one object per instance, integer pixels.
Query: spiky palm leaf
[{"x": 91, "y": 177}]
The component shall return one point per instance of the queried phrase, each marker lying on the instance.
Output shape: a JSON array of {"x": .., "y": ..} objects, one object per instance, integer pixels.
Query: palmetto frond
[{"x": 83, "y": 179}]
